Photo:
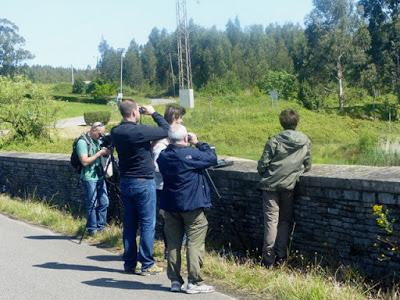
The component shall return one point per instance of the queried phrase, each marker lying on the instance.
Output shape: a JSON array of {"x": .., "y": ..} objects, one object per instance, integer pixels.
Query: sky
[{"x": 68, "y": 32}]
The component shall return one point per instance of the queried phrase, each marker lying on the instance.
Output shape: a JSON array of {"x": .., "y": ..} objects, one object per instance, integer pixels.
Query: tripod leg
[{"x": 213, "y": 184}]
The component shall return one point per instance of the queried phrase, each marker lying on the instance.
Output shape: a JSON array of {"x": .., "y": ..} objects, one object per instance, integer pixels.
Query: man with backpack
[{"x": 89, "y": 152}]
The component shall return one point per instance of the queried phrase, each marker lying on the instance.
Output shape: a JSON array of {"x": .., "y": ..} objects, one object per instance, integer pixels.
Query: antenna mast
[{"x": 184, "y": 62}]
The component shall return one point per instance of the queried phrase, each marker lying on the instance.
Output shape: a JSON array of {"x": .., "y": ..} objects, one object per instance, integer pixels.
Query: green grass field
[{"x": 239, "y": 126}]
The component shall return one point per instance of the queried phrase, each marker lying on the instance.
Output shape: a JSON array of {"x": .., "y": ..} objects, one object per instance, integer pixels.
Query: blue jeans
[
  {"x": 96, "y": 202},
  {"x": 139, "y": 198}
]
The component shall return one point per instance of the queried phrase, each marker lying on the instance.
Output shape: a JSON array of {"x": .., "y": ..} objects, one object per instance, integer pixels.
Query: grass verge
[{"x": 247, "y": 278}]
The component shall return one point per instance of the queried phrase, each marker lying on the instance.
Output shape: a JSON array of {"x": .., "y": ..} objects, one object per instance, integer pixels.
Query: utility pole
[
  {"x": 72, "y": 75},
  {"x": 120, "y": 94},
  {"x": 184, "y": 62},
  {"x": 172, "y": 73}
]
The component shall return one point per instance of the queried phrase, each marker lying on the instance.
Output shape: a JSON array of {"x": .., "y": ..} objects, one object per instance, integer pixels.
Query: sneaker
[
  {"x": 153, "y": 270},
  {"x": 92, "y": 232},
  {"x": 130, "y": 271},
  {"x": 197, "y": 288},
  {"x": 176, "y": 286},
  {"x": 134, "y": 270}
]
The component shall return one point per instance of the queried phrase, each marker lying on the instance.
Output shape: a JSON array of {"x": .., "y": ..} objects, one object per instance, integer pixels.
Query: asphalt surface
[
  {"x": 70, "y": 122},
  {"x": 36, "y": 263}
]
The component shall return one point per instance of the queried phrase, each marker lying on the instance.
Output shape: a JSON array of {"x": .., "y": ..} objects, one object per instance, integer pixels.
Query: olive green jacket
[{"x": 286, "y": 156}]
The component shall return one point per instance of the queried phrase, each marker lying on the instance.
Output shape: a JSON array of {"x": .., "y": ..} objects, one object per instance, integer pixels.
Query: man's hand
[
  {"x": 149, "y": 110},
  {"x": 192, "y": 138},
  {"x": 104, "y": 152}
]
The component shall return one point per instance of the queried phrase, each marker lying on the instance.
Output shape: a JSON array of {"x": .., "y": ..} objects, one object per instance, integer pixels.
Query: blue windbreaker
[{"x": 185, "y": 184}]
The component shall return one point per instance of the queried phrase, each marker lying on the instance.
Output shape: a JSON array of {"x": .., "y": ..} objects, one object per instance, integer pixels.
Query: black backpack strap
[{"x": 88, "y": 143}]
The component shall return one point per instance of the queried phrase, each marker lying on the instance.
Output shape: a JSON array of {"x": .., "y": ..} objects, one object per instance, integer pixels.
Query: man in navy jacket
[{"x": 185, "y": 195}]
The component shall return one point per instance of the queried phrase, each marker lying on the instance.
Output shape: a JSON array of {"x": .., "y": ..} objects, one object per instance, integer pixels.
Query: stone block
[
  {"x": 351, "y": 195},
  {"x": 386, "y": 198}
]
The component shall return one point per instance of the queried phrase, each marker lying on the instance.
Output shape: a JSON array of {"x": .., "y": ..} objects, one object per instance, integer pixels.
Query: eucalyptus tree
[
  {"x": 337, "y": 41},
  {"x": 12, "y": 53},
  {"x": 383, "y": 17},
  {"x": 133, "y": 71}
]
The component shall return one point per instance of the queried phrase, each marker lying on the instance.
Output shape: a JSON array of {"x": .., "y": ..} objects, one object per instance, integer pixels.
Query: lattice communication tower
[{"x": 184, "y": 65}]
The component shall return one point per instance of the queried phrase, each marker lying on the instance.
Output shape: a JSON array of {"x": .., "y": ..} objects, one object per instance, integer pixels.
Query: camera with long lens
[{"x": 106, "y": 142}]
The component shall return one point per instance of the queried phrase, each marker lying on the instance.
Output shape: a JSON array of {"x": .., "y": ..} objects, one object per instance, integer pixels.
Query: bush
[
  {"x": 27, "y": 107},
  {"x": 99, "y": 89},
  {"x": 308, "y": 96},
  {"x": 97, "y": 116},
  {"x": 61, "y": 88},
  {"x": 79, "y": 99},
  {"x": 78, "y": 87},
  {"x": 284, "y": 83},
  {"x": 227, "y": 85}
]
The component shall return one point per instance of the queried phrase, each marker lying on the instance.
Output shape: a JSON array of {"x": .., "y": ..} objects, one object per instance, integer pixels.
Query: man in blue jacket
[
  {"x": 138, "y": 190},
  {"x": 185, "y": 195}
]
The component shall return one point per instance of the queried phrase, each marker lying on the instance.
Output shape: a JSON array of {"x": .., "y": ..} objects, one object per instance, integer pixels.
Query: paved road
[
  {"x": 71, "y": 122},
  {"x": 35, "y": 263},
  {"x": 79, "y": 121}
]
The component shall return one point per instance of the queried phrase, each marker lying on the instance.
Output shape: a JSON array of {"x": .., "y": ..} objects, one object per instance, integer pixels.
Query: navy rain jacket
[{"x": 185, "y": 184}]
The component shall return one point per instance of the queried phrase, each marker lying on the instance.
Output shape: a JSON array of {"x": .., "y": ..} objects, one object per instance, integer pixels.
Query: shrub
[
  {"x": 99, "y": 89},
  {"x": 228, "y": 84},
  {"x": 78, "y": 87},
  {"x": 26, "y": 107},
  {"x": 389, "y": 242},
  {"x": 284, "y": 83},
  {"x": 97, "y": 116}
]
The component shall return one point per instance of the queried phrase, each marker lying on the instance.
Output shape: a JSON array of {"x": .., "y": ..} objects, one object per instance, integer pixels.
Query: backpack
[{"x": 74, "y": 159}]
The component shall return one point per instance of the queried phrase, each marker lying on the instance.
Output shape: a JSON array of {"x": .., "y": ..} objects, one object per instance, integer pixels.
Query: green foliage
[
  {"x": 101, "y": 90},
  {"x": 228, "y": 84},
  {"x": 80, "y": 99},
  {"x": 282, "y": 82},
  {"x": 61, "y": 88},
  {"x": 97, "y": 116},
  {"x": 78, "y": 86},
  {"x": 308, "y": 96},
  {"x": 26, "y": 107},
  {"x": 367, "y": 142},
  {"x": 239, "y": 125},
  {"x": 11, "y": 51},
  {"x": 389, "y": 243},
  {"x": 384, "y": 108},
  {"x": 55, "y": 75}
]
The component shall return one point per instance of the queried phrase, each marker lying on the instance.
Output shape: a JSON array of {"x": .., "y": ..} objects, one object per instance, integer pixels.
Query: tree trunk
[{"x": 340, "y": 81}]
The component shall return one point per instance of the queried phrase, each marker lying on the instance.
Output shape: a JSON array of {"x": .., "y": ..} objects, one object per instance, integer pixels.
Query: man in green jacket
[{"x": 286, "y": 156}]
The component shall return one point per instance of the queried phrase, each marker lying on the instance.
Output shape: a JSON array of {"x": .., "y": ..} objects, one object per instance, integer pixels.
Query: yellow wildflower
[{"x": 377, "y": 208}]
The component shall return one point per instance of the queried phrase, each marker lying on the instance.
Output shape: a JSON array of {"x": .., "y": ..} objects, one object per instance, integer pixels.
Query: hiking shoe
[
  {"x": 153, "y": 270},
  {"x": 176, "y": 286},
  {"x": 197, "y": 288}
]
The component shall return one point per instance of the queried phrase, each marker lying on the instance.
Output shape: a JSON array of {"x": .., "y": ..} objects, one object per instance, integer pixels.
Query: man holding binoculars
[{"x": 132, "y": 141}]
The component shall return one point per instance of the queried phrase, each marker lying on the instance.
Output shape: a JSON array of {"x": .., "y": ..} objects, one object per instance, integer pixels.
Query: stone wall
[{"x": 333, "y": 209}]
